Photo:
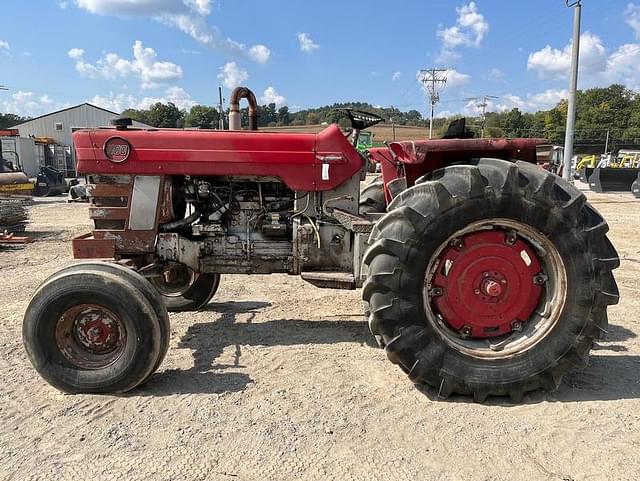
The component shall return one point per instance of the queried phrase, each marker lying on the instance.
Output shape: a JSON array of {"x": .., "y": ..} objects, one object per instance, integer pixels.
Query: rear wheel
[
  {"x": 491, "y": 279},
  {"x": 91, "y": 332},
  {"x": 182, "y": 289}
]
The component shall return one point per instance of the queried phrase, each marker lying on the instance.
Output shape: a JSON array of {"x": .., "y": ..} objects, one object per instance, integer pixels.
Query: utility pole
[
  {"x": 221, "y": 110},
  {"x": 606, "y": 144},
  {"x": 573, "y": 88},
  {"x": 432, "y": 79},
  {"x": 482, "y": 103}
]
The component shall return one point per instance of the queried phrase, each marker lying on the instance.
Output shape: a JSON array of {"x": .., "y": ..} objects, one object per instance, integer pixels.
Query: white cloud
[
  {"x": 4, "y": 45},
  {"x": 29, "y": 104},
  {"x": 307, "y": 44},
  {"x": 444, "y": 114},
  {"x": 598, "y": 67},
  {"x": 232, "y": 75},
  {"x": 469, "y": 31},
  {"x": 144, "y": 66},
  {"x": 455, "y": 78},
  {"x": 259, "y": 53},
  {"x": 622, "y": 66},
  {"x": 188, "y": 16},
  {"x": 556, "y": 64},
  {"x": 76, "y": 53},
  {"x": 396, "y": 76},
  {"x": 120, "y": 102},
  {"x": 138, "y": 7},
  {"x": 271, "y": 96},
  {"x": 530, "y": 103},
  {"x": 633, "y": 18}
]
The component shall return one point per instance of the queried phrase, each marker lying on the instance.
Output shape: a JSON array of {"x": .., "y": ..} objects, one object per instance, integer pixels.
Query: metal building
[{"x": 61, "y": 124}]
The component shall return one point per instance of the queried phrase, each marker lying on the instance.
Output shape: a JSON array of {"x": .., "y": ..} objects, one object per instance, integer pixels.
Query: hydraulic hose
[{"x": 179, "y": 224}]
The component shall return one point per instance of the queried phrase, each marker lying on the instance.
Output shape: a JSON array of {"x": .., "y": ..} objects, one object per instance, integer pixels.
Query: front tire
[
  {"x": 372, "y": 200},
  {"x": 139, "y": 283},
  {"x": 182, "y": 289},
  {"x": 491, "y": 279},
  {"x": 91, "y": 332}
]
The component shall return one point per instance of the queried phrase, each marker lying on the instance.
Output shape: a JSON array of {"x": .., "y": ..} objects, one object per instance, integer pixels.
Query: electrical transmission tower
[
  {"x": 482, "y": 103},
  {"x": 432, "y": 79}
]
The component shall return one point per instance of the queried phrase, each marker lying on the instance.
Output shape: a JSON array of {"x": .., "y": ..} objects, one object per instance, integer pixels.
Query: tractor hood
[{"x": 304, "y": 162}]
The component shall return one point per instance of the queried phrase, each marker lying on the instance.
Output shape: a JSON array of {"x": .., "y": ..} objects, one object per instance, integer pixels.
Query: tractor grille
[{"x": 109, "y": 199}]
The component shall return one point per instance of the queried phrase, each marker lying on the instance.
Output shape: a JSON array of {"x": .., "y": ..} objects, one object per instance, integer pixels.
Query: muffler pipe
[{"x": 235, "y": 118}]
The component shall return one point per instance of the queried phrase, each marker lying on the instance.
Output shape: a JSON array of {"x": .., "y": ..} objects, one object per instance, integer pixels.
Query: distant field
[{"x": 383, "y": 133}]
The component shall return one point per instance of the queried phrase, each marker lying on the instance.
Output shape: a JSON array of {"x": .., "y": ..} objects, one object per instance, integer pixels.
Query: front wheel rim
[
  {"x": 485, "y": 292},
  {"x": 90, "y": 336}
]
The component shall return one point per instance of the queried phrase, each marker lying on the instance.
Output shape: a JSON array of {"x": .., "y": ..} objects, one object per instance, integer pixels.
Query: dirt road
[{"x": 278, "y": 380}]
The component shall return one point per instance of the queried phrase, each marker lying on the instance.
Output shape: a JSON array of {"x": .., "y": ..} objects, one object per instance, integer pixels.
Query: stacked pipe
[{"x": 14, "y": 214}]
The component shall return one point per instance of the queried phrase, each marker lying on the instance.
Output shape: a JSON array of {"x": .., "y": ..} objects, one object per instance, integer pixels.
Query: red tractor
[{"x": 485, "y": 275}]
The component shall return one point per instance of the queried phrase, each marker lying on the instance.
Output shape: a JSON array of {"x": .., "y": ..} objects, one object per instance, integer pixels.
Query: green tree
[
  {"x": 283, "y": 116},
  {"x": 11, "y": 120},
  {"x": 139, "y": 115},
  {"x": 165, "y": 116},
  {"x": 202, "y": 117}
]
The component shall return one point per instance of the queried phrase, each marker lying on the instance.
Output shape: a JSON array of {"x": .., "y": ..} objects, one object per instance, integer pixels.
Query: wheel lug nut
[{"x": 477, "y": 291}]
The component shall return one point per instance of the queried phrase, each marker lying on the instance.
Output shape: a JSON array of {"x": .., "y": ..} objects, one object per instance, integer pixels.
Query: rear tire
[
  {"x": 184, "y": 289},
  {"x": 91, "y": 332},
  {"x": 421, "y": 221}
]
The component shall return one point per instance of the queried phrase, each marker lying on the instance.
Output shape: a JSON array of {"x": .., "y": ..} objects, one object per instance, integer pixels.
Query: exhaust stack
[{"x": 235, "y": 119}]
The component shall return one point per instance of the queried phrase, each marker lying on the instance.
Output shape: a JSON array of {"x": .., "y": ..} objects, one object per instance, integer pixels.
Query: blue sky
[{"x": 129, "y": 53}]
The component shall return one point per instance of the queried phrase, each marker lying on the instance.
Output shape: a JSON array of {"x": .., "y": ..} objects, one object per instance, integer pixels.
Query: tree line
[{"x": 612, "y": 112}]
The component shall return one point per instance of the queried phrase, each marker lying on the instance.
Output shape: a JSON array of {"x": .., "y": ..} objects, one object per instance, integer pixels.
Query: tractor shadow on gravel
[
  {"x": 234, "y": 327},
  {"x": 608, "y": 377}
]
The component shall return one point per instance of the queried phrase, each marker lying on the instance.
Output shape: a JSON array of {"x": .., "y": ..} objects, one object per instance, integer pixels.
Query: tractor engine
[
  {"x": 253, "y": 226},
  {"x": 237, "y": 220}
]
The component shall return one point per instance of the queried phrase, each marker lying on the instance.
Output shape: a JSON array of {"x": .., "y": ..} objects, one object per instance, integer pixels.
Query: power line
[
  {"x": 482, "y": 103},
  {"x": 432, "y": 79}
]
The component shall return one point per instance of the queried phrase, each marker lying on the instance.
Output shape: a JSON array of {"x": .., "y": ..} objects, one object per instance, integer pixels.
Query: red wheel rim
[
  {"x": 90, "y": 336},
  {"x": 487, "y": 284}
]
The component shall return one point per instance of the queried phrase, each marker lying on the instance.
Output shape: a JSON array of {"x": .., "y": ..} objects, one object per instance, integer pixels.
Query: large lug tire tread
[
  {"x": 372, "y": 200},
  {"x": 423, "y": 217},
  {"x": 196, "y": 297},
  {"x": 66, "y": 290},
  {"x": 138, "y": 282}
]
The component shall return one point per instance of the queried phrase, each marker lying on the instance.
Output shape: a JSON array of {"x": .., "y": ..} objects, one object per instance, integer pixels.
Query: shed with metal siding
[{"x": 61, "y": 124}]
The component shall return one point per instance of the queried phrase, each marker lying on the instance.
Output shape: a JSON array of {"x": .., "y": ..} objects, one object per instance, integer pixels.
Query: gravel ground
[{"x": 279, "y": 380}]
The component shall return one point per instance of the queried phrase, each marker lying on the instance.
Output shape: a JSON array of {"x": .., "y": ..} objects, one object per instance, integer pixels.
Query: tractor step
[
  {"x": 330, "y": 280},
  {"x": 360, "y": 224}
]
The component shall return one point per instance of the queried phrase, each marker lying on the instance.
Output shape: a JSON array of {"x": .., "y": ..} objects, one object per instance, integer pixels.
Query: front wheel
[
  {"x": 492, "y": 279},
  {"x": 182, "y": 289},
  {"x": 87, "y": 331}
]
